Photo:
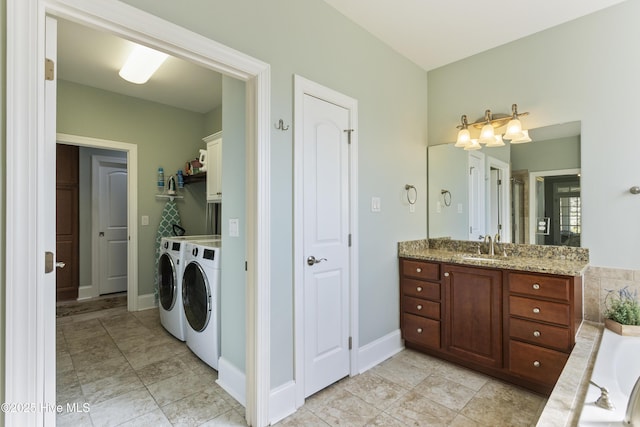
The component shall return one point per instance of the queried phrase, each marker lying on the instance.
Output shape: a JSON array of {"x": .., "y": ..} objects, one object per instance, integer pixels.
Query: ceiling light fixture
[
  {"x": 488, "y": 124},
  {"x": 141, "y": 64}
]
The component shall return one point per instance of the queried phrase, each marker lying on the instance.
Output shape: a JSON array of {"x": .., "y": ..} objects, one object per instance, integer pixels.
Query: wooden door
[
  {"x": 474, "y": 314},
  {"x": 67, "y": 229}
]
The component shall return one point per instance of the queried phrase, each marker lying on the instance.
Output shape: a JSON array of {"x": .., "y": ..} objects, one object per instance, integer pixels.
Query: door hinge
[
  {"x": 49, "y": 67},
  {"x": 246, "y": 266},
  {"x": 350, "y": 343},
  {"x": 349, "y": 240},
  {"x": 349, "y": 131}
]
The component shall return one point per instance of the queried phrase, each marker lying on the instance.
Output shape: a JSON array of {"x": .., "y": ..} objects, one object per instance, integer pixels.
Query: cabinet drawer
[
  {"x": 536, "y": 363},
  {"x": 420, "y": 330},
  {"x": 421, "y": 307},
  {"x": 420, "y": 269},
  {"x": 538, "y": 333},
  {"x": 540, "y": 286},
  {"x": 420, "y": 289},
  {"x": 544, "y": 311}
]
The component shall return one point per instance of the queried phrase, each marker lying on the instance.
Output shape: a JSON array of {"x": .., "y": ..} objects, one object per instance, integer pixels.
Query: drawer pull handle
[
  {"x": 536, "y": 286},
  {"x": 419, "y": 289},
  {"x": 419, "y": 330},
  {"x": 419, "y": 307},
  {"x": 536, "y": 364},
  {"x": 418, "y": 270},
  {"x": 446, "y": 274},
  {"x": 536, "y": 310},
  {"x": 536, "y": 334}
]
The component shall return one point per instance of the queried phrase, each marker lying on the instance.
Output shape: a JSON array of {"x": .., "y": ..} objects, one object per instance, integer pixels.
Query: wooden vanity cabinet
[
  {"x": 473, "y": 314},
  {"x": 420, "y": 309},
  {"x": 544, "y": 312},
  {"x": 514, "y": 325}
]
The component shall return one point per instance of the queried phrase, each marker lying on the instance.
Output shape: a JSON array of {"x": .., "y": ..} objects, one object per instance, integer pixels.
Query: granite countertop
[{"x": 532, "y": 258}]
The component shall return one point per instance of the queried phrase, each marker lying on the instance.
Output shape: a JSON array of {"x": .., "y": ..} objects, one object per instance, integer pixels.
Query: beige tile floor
[{"x": 131, "y": 372}]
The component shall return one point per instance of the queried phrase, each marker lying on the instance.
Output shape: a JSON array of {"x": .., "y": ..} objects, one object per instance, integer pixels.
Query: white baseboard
[
  {"x": 282, "y": 402},
  {"x": 232, "y": 380},
  {"x": 86, "y": 292},
  {"x": 379, "y": 350},
  {"x": 146, "y": 302}
]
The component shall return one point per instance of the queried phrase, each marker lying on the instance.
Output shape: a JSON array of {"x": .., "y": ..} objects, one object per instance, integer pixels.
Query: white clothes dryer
[
  {"x": 201, "y": 299},
  {"x": 170, "y": 266}
]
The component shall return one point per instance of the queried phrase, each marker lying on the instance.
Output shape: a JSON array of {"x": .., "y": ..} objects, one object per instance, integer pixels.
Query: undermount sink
[{"x": 473, "y": 257}]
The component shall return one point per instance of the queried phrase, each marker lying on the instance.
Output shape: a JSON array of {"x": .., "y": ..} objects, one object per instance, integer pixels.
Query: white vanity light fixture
[
  {"x": 488, "y": 124},
  {"x": 141, "y": 64}
]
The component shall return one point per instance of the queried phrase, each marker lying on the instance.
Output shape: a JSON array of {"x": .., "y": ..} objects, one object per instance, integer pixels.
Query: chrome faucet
[
  {"x": 489, "y": 244},
  {"x": 497, "y": 240}
]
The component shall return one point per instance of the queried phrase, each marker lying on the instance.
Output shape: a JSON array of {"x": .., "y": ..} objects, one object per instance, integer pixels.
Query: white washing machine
[
  {"x": 170, "y": 265},
  {"x": 201, "y": 299}
]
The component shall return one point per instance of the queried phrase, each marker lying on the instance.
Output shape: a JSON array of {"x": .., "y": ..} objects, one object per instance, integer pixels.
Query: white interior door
[
  {"x": 476, "y": 196},
  {"x": 326, "y": 243},
  {"x": 112, "y": 227}
]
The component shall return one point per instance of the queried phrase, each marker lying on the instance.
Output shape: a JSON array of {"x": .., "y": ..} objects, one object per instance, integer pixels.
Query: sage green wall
[
  {"x": 582, "y": 70},
  {"x": 213, "y": 121},
  {"x": 233, "y": 281},
  {"x": 85, "y": 209},
  {"x": 552, "y": 154},
  {"x": 165, "y": 136},
  {"x": 3, "y": 146},
  {"x": 313, "y": 40}
]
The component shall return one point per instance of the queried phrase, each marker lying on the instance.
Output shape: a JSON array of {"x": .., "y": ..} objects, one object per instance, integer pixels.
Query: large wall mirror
[{"x": 526, "y": 193}]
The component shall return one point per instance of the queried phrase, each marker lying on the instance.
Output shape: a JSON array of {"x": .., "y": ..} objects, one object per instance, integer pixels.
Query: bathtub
[{"x": 617, "y": 368}]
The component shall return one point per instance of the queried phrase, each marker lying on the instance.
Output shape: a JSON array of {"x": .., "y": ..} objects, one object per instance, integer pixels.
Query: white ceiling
[
  {"x": 93, "y": 58},
  {"x": 433, "y": 33}
]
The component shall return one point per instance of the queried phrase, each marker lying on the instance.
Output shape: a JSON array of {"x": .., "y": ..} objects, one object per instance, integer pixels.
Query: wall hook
[{"x": 281, "y": 126}]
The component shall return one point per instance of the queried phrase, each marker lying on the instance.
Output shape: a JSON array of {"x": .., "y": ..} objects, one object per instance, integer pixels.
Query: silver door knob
[
  {"x": 312, "y": 260},
  {"x": 60, "y": 264}
]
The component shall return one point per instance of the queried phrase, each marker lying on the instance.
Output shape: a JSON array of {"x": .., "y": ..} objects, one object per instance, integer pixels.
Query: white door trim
[
  {"x": 132, "y": 205},
  {"x": 505, "y": 193},
  {"x": 25, "y": 342},
  {"x": 303, "y": 87}
]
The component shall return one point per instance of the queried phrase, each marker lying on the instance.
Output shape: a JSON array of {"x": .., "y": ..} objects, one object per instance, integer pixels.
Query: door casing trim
[{"x": 28, "y": 375}]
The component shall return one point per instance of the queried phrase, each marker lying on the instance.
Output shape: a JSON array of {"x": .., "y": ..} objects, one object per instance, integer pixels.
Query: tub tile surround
[{"x": 598, "y": 280}]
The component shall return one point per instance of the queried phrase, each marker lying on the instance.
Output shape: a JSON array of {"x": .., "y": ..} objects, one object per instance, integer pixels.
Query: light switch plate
[
  {"x": 144, "y": 220},
  {"x": 234, "y": 227},
  {"x": 375, "y": 204}
]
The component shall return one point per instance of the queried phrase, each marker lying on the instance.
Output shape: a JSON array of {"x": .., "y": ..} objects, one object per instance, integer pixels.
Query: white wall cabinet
[{"x": 214, "y": 167}]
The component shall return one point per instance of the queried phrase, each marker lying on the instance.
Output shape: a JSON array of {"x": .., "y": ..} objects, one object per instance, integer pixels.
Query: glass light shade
[
  {"x": 473, "y": 145},
  {"x": 497, "y": 142},
  {"x": 463, "y": 138},
  {"x": 141, "y": 64},
  {"x": 486, "y": 134},
  {"x": 514, "y": 130},
  {"x": 523, "y": 139}
]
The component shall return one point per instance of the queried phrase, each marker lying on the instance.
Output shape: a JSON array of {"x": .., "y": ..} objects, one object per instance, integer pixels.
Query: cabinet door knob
[
  {"x": 446, "y": 274},
  {"x": 536, "y": 286},
  {"x": 536, "y": 310},
  {"x": 419, "y": 307},
  {"x": 418, "y": 270},
  {"x": 536, "y": 334},
  {"x": 419, "y": 330},
  {"x": 536, "y": 364},
  {"x": 419, "y": 289}
]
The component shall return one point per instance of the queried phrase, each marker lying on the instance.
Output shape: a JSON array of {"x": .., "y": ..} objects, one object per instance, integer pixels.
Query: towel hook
[{"x": 281, "y": 126}]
